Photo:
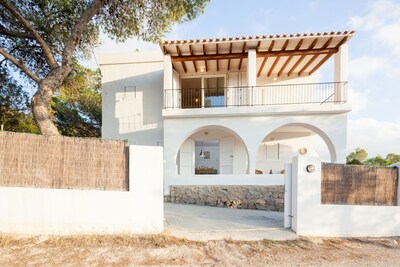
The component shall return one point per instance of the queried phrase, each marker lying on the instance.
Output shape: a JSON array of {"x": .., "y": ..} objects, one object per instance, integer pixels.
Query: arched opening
[
  {"x": 285, "y": 142},
  {"x": 212, "y": 150}
]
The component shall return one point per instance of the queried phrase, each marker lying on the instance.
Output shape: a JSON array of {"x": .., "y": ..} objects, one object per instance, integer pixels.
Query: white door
[
  {"x": 226, "y": 155},
  {"x": 186, "y": 158}
]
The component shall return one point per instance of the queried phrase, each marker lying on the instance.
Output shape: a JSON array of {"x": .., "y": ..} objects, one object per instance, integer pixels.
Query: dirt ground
[{"x": 164, "y": 250}]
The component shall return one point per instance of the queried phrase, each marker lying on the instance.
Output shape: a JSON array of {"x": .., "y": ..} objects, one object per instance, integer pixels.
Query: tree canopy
[
  {"x": 14, "y": 106},
  {"x": 77, "y": 106},
  {"x": 42, "y": 38},
  {"x": 359, "y": 157}
]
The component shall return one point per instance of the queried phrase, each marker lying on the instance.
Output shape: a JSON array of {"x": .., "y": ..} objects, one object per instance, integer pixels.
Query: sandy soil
[{"x": 164, "y": 250}]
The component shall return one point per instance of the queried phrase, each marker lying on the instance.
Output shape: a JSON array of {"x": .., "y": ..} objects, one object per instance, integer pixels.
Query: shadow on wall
[{"x": 132, "y": 105}]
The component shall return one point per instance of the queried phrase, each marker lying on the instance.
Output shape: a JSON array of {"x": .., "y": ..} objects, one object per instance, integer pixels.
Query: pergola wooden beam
[
  {"x": 277, "y": 59},
  {"x": 178, "y": 50},
  {"x": 320, "y": 63},
  {"x": 229, "y": 60},
  {"x": 327, "y": 56},
  {"x": 271, "y": 46},
  {"x": 305, "y": 52},
  {"x": 302, "y": 57},
  {"x": 326, "y": 44},
  {"x": 204, "y": 54},
  {"x": 241, "y": 59},
  {"x": 191, "y": 53},
  {"x": 290, "y": 58},
  {"x": 216, "y": 49}
]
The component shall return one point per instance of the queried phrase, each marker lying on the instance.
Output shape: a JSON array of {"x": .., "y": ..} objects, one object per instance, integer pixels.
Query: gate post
[{"x": 287, "y": 210}]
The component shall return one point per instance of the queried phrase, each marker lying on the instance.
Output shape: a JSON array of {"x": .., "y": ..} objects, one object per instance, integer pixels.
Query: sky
[{"x": 374, "y": 52}]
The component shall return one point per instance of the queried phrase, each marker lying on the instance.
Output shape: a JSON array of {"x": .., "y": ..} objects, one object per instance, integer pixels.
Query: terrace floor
[{"x": 203, "y": 223}]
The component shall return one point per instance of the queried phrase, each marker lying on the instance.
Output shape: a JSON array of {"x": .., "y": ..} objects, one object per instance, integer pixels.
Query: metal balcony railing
[{"x": 286, "y": 94}]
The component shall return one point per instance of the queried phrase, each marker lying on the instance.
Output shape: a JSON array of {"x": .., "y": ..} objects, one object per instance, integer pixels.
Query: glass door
[{"x": 214, "y": 92}]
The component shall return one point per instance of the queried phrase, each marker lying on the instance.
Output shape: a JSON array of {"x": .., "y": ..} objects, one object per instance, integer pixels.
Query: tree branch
[
  {"x": 46, "y": 49},
  {"x": 78, "y": 30},
  {"x": 7, "y": 32},
  {"x": 20, "y": 65}
]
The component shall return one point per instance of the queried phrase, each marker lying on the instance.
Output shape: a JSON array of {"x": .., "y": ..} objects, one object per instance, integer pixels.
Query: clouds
[
  {"x": 382, "y": 21},
  {"x": 380, "y": 13},
  {"x": 390, "y": 35},
  {"x": 358, "y": 99},
  {"x": 366, "y": 65},
  {"x": 376, "y": 137},
  {"x": 376, "y": 53}
]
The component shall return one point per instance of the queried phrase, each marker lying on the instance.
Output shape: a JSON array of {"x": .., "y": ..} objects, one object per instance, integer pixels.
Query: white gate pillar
[{"x": 287, "y": 208}]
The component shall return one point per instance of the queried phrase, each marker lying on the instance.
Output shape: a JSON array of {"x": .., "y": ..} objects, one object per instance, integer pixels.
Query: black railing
[{"x": 285, "y": 94}]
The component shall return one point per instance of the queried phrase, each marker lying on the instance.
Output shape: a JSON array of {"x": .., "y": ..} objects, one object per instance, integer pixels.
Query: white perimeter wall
[
  {"x": 312, "y": 218},
  {"x": 59, "y": 211}
]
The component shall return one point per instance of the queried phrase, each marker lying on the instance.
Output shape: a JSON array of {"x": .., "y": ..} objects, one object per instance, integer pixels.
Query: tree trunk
[
  {"x": 41, "y": 114},
  {"x": 41, "y": 99}
]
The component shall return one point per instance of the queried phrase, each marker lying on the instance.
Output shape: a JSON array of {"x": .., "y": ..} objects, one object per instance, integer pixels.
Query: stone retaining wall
[{"x": 234, "y": 196}]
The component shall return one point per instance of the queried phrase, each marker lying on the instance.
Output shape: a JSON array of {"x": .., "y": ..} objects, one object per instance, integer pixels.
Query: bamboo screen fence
[
  {"x": 28, "y": 160},
  {"x": 358, "y": 185}
]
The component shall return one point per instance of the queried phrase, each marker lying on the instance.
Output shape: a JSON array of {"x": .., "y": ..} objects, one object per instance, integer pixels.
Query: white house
[{"x": 229, "y": 110}]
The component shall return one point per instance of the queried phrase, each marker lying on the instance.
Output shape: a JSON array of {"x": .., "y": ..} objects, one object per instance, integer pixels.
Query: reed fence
[
  {"x": 358, "y": 185},
  {"x": 28, "y": 160}
]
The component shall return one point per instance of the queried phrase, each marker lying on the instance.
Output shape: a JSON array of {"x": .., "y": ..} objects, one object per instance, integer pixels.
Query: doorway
[{"x": 203, "y": 92}]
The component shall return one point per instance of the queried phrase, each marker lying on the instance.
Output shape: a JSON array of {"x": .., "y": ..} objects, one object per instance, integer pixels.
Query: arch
[
  {"x": 318, "y": 131},
  {"x": 206, "y": 128}
]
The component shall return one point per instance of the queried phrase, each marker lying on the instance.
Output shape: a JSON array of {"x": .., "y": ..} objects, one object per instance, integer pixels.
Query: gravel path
[{"x": 164, "y": 250}]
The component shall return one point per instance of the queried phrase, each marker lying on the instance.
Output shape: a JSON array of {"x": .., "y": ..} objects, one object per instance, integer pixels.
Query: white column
[
  {"x": 169, "y": 95},
  {"x": 252, "y": 74},
  {"x": 340, "y": 72}
]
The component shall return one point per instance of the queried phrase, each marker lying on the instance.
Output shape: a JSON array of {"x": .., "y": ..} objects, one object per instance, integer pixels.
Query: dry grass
[
  {"x": 165, "y": 250},
  {"x": 29, "y": 160},
  {"x": 358, "y": 185}
]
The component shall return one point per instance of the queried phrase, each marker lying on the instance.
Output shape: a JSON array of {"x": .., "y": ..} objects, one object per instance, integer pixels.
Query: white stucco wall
[
  {"x": 132, "y": 97},
  {"x": 252, "y": 130},
  {"x": 273, "y": 155},
  {"x": 312, "y": 218},
  {"x": 60, "y": 211}
]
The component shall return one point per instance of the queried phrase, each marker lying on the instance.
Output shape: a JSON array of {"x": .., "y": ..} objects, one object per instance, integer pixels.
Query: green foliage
[
  {"x": 147, "y": 19},
  {"x": 357, "y": 157},
  {"x": 40, "y": 38},
  {"x": 55, "y": 20},
  {"x": 14, "y": 106},
  {"x": 77, "y": 106}
]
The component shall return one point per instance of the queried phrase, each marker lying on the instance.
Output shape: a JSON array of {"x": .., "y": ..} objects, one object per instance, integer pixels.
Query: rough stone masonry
[{"x": 234, "y": 196}]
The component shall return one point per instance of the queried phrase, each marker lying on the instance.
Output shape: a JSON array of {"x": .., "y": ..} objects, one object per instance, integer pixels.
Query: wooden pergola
[{"x": 277, "y": 55}]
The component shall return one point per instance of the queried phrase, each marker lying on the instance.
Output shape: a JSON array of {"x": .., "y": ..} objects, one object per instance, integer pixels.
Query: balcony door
[
  {"x": 191, "y": 92},
  {"x": 197, "y": 92}
]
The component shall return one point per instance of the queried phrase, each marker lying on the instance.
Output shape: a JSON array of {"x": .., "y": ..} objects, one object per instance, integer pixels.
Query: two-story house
[{"x": 228, "y": 110}]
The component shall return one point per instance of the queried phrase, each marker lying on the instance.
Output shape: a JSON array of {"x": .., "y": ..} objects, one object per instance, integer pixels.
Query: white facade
[
  {"x": 133, "y": 97},
  {"x": 250, "y": 111}
]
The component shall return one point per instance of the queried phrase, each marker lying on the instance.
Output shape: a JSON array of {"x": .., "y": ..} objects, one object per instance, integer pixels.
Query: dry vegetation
[{"x": 125, "y": 250}]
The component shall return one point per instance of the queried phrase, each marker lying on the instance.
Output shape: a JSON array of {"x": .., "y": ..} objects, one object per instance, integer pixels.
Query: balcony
[{"x": 256, "y": 96}]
